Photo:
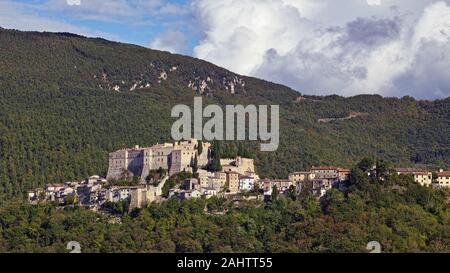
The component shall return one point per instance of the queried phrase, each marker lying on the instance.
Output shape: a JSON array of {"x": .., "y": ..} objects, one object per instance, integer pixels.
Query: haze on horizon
[{"x": 319, "y": 47}]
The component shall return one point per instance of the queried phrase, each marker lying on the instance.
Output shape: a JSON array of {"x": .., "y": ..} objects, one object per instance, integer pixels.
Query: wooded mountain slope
[{"x": 66, "y": 101}]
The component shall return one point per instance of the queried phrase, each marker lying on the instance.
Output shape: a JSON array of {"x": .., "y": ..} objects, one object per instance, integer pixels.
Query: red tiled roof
[
  {"x": 245, "y": 177},
  {"x": 339, "y": 169},
  {"x": 324, "y": 168},
  {"x": 411, "y": 171},
  {"x": 408, "y": 170},
  {"x": 55, "y": 185},
  {"x": 422, "y": 173},
  {"x": 295, "y": 173},
  {"x": 444, "y": 174}
]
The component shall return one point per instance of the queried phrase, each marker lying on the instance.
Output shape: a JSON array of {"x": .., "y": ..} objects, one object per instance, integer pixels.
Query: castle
[{"x": 174, "y": 157}]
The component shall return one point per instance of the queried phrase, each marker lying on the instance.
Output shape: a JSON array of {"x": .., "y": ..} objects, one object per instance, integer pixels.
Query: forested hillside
[
  {"x": 398, "y": 213},
  {"x": 66, "y": 101}
]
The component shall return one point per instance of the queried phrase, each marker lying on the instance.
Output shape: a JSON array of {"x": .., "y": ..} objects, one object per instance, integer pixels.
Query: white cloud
[
  {"x": 14, "y": 15},
  {"x": 374, "y": 2},
  {"x": 73, "y": 2},
  {"x": 131, "y": 12},
  {"x": 239, "y": 32},
  {"x": 172, "y": 41},
  {"x": 323, "y": 47}
]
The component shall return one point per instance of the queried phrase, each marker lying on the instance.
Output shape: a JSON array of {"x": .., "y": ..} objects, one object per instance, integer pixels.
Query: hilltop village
[{"x": 139, "y": 176}]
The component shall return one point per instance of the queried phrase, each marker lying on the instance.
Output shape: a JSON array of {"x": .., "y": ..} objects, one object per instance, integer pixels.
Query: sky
[{"x": 318, "y": 47}]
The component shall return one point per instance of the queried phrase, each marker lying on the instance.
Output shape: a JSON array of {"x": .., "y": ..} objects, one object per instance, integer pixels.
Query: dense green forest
[
  {"x": 398, "y": 213},
  {"x": 60, "y": 114}
]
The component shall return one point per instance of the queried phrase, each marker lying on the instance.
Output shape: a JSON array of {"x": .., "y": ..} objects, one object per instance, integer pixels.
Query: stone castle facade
[{"x": 173, "y": 157}]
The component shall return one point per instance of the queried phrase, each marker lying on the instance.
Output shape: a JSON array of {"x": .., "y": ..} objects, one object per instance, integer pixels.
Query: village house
[
  {"x": 424, "y": 178},
  {"x": 327, "y": 172},
  {"x": 35, "y": 195},
  {"x": 222, "y": 177},
  {"x": 215, "y": 180},
  {"x": 116, "y": 194},
  {"x": 216, "y": 183},
  {"x": 95, "y": 179},
  {"x": 240, "y": 165},
  {"x": 204, "y": 177},
  {"x": 281, "y": 184},
  {"x": 184, "y": 194},
  {"x": 443, "y": 179},
  {"x": 51, "y": 190},
  {"x": 64, "y": 192},
  {"x": 246, "y": 183},
  {"x": 191, "y": 184},
  {"x": 233, "y": 182},
  {"x": 209, "y": 192},
  {"x": 321, "y": 186},
  {"x": 301, "y": 176}
]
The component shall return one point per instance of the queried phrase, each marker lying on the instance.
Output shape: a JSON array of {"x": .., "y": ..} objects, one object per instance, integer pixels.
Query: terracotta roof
[
  {"x": 422, "y": 173},
  {"x": 328, "y": 168},
  {"x": 245, "y": 177},
  {"x": 408, "y": 170},
  {"x": 278, "y": 180},
  {"x": 294, "y": 173},
  {"x": 323, "y": 168},
  {"x": 411, "y": 171},
  {"x": 55, "y": 185},
  {"x": 444, "y": 174}
]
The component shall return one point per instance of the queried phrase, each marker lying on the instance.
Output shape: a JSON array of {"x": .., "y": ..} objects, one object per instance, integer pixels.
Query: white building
[
  {"x": 209, "y": 192},
  {"x": 246, "y": 183},
  {"x": 443, "y": 179},
  {"x": 117, "y": 194},
  {"x": 189, "y": 194}
]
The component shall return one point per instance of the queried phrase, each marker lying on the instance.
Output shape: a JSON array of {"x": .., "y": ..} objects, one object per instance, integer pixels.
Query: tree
[
  {"x": 292, "y": 193},
  {"x": 332, "y": 201},
  {"x": 195, "y": 165},
  {"x": 382, "y": 168},
  {"x": 162, "y": 172},
  {"x": 120, "y": 207},
  {"x": 200, "y": 147},
  {"x": 359, "y": 178},
  {"x": 69, "y": 200},
  {"x": 275, "y": 193},
  {"x": 311, "y": 206},
  {"x": 366, "y": 164},
  {"x": 215, "y": 204},
  {"x": 216, "y": 155},
  {"x": 135, "y": 180},
  {"x": 434, "y": 176}
]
